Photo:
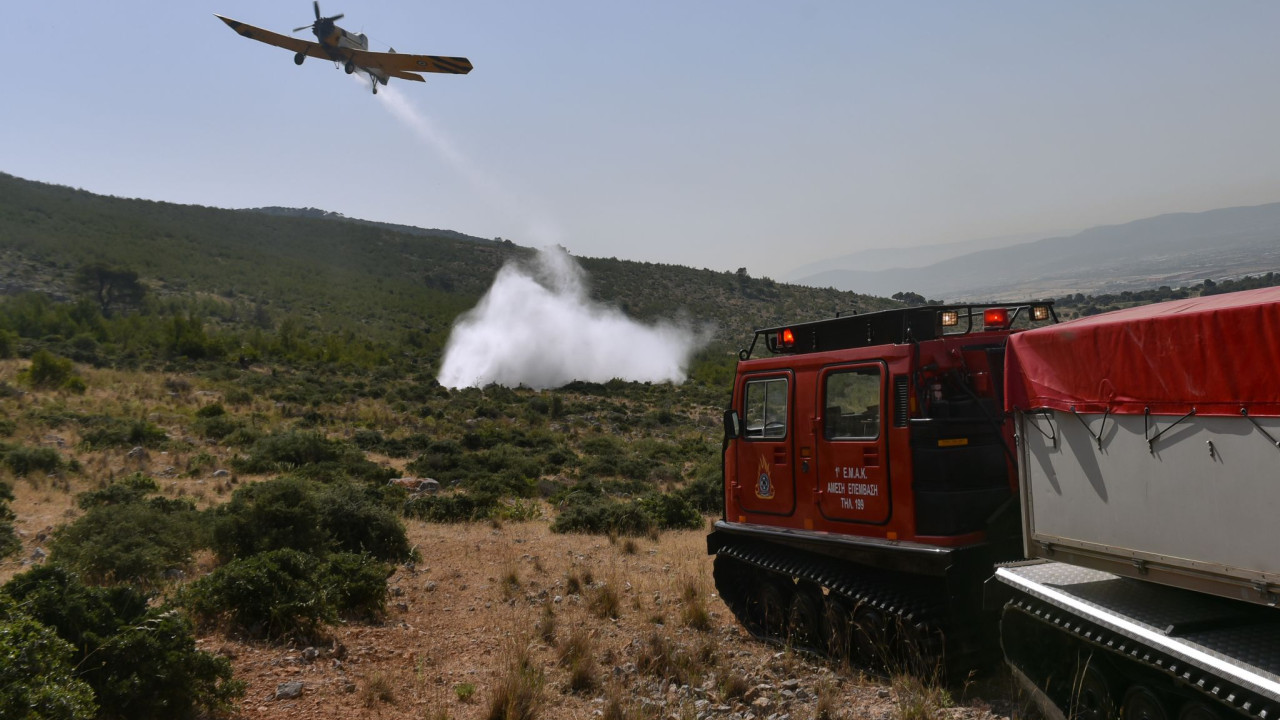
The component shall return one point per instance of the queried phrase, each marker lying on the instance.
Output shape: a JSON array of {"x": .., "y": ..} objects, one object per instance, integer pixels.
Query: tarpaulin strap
[
  {"x": 1146, "y": 428},
  {"x": 1103, "y": 426}
]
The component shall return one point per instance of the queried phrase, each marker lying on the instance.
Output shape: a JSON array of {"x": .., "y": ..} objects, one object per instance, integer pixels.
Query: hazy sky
[{"x": 713, "y": 133}]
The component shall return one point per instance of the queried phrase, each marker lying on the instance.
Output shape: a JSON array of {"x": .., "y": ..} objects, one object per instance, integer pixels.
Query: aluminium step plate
[{"x": 1237, "y": 639}]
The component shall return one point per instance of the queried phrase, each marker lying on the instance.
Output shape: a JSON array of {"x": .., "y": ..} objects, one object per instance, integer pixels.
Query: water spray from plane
[
  {"x": 537, "y": 328},
  {"x": 539, "y": 228}
]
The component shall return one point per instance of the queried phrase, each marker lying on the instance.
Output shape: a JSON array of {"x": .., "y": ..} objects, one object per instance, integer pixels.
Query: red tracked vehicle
[
  {"x": 870, "y": 482},
  {"x": 886, "y": 474}
]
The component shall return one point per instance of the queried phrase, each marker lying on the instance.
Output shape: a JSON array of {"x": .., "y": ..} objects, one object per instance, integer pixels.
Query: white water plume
[{"x": 537, "y": 328}]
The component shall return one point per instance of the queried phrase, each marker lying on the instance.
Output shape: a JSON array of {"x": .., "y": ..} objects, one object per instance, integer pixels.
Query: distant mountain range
[
  {"x": 1174, "y": 249},
  {"x": 887, "y": 258}
]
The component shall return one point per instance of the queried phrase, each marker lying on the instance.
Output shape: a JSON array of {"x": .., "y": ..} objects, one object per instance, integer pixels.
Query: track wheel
[
  {"x": 838, "y": 621},
  {"x": 1198, "y": 711},
  {"x": 769, "y": 609},
  {"x": 1141, "y": 703},
  {"x": 870, "y": 637},
  {"x": 804, "y": 620},
  {"x": 920, "y": 650},
  {"x": 1094, "y": 696}
]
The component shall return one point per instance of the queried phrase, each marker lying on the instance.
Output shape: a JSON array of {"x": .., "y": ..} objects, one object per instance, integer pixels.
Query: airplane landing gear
[
  {"x": 350, "y": 67},
  {"x": 297, "y": 59},
  {"x": 375, "y": 87}
]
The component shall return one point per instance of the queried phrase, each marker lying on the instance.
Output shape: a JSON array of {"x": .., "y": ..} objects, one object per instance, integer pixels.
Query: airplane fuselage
[{"x": 334, "y": 40}]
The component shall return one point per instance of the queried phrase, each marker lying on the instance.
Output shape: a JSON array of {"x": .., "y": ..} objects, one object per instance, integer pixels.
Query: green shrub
[
  {"x": 289, "y": 594},
  {"x": 356, "y": 584},
  {"x": 356, "y": 522},
  {"x": 242, "y": 436},
  {"x": 275, "y": 594},
  {"x": 216, "y": 427},
  {"x": 47, "y": 371},
  {"x": 211, "y": 410},
  {"x": 602, "y": 515},
  {"x": 23, "y": 461},
  {"x": 36, "y": 675},
  {"x": 368, "y": 439},
  {"x": 141, "y": 662},
  {"x": 670, "y": 511},
  {"x": 286, "y": 451},
  {"x": 238, "y": 396},
  {"x": 270, "y": 515},
  {"x": 8, "y": 426},
  {"x": 438, "y": 459},
  {"x": 587, "y": 508},
  {"x": 451, "y": 507},
  {"x": 306, "y": 516},
  {"x": 131, "y": 488},
  {"x": 309, "y": 454},
  {"x": 107, "y": 432},
  {"x": 134, "y": 542},
  {"x": 9, "y": 542},
  {"x": 705, "y": 492}
]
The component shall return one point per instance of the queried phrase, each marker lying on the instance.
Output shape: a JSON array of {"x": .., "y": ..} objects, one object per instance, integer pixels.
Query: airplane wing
[
  {"x": 391, "y": 63},
  {"x": 297, "y": 45},
  {"x": 405, "y": 75}
]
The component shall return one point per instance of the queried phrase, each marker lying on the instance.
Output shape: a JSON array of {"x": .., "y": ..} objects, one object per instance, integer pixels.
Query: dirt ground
[{"x": 626, "y": 628}]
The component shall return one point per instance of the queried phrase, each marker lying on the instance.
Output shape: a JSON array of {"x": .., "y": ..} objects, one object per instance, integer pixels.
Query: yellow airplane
[{"x": 351, "y": 50}]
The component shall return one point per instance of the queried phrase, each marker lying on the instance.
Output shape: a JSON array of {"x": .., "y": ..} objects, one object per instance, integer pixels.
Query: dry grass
[
  {"x": 694, "y": 612},
  {"x": 920, "y": 698},
  {"x": 546, "y": 627},
  {"x": 605, "y": 603},
  {"x": 377, "y": 689},
  {"x": 577, "y": 655},
  {"x": 518, "y": 694}
]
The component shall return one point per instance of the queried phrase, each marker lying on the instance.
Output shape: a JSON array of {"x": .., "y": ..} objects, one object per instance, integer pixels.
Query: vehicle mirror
[{"x": 732, "y": 425}]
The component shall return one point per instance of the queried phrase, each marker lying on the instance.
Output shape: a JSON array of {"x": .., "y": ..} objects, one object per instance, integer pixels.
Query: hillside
[
  {"x": 333, "y": 274},
  {"x": 1174, "y": 249}
]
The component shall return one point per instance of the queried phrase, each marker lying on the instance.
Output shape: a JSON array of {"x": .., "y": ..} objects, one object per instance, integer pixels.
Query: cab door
[
  {"x": 852, "y": 457},
  {"x": 765, "y": 480}
]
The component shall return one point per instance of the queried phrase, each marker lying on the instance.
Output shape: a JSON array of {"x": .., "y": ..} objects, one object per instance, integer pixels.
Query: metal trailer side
[{"x": 1188, "y": 501}]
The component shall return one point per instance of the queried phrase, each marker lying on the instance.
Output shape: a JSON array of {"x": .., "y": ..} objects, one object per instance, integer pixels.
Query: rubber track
[
  {"x": 1231, "y": 697},
  {"x": 910, "y": 603}
]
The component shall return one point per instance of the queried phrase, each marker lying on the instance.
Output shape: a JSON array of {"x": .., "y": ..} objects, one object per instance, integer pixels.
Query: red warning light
[
  {"x": 995, "y": 318},
  {"x": 788, "y": 338}
]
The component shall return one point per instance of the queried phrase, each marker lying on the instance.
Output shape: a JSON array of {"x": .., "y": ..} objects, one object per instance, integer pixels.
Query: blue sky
[{"x": 719, "y": 134}]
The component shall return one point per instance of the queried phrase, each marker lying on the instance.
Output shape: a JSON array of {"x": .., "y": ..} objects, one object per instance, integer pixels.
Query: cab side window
[
  {"x": 766, "y": 409},
  {"x": 852, "y": 402}
]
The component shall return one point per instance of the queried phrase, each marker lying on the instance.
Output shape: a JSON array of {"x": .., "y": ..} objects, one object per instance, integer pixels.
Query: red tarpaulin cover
[{"x": 1217, "y": 354}]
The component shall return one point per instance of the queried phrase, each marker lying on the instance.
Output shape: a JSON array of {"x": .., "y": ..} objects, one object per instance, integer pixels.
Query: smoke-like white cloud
[{"x": 536, "y": 327}]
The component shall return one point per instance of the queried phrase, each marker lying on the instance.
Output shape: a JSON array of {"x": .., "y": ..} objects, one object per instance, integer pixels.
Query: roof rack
[{"x": 896, "y": 327}]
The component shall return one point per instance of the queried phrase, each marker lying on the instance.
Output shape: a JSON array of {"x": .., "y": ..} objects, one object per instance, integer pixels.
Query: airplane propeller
[{"x": 321, "y": 22}]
